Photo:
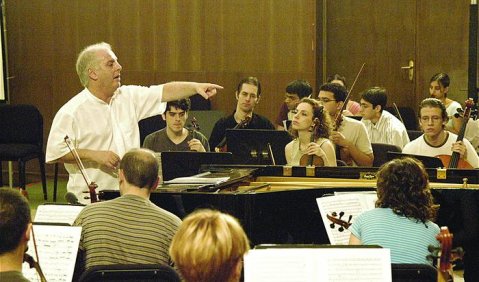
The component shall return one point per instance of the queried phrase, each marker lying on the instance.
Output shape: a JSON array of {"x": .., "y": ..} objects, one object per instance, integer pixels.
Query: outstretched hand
[{"x": 207, "y": 90}]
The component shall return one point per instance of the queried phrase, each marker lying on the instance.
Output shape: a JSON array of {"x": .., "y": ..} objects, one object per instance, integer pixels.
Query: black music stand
[
  {"x": 188, "y": 163},
  {"x": 250, "y": 146},
  {"x": 428, "y": 162}
]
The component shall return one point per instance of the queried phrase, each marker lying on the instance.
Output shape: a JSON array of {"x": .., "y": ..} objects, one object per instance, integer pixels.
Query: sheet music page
[
  {"x": 57, "y": 213},
  {"x": 318, "y": 264},
  {"x": 346, "y": 207},
  {"x": 57, "y": 248}
]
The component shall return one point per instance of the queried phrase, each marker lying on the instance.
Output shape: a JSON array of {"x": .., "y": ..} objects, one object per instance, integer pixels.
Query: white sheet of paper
[
  {"x": 351, "y": 205},
  {"x": 57, "y": 213},
  {"x": 57, "y": 248},
  {"x": 318, "y": 264}
]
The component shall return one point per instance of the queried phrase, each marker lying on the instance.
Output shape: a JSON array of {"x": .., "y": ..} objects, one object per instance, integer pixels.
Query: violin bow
[
  {"x": 37, "y": 263},
  {"x": 91, "y": 185},
  {"x": 397, "y": 111},
  {"x": 349, "y": 94}
]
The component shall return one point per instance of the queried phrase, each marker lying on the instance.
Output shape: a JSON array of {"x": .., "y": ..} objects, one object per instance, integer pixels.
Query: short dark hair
[
  {"x": 337, "y": 77},
  {"x": 376, "y": 96},
  {"x": 403, "y": 186},
  {"x": 338, "y": 90},
  {"x": 183, "y": 104},
  {"x": 302, "y": 88},
  {"x": 441, "y": 78},
  {"x": 140, "y": 167},
  {"x": 14, "y": 219},
  {"x": 249, "y": 80},
  {"x": 433, "y": 103}
]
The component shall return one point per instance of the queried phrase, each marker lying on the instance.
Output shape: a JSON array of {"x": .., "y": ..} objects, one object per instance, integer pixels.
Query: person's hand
[
  {"x": 107, "y": 158},
  {"x": 315, "y": 149},
  {"x": 195, "y": 145},
  {"x": 338, "y": 138},
  {"x": 207, "y": 89},
  {"x": 460, "y": 148}
]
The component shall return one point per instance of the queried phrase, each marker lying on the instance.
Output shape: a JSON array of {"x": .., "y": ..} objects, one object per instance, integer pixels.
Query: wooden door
[{"x": 386, "y": 35}]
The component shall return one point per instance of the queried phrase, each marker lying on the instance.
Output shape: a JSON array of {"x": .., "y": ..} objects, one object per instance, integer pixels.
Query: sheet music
[
  {"x": 57, "y": 213},
  {"x": 318, "y": 264},
  {"x": 197, "y": 180},
  {"x": 351, "y": 204},
  {"x": 57, "y": 247}
]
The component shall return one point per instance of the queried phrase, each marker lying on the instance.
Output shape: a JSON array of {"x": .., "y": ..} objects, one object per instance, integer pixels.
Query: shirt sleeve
[{"x": 63, "y": 125}]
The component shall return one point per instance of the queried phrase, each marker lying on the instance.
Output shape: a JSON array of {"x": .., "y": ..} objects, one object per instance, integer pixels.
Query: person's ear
[
  {"x": 257, "y": 100},
  {"x": 92, "y": 74},
  {"x": 446, "y": 90},
  {"x": 155, "y": 184},
  {"x": 236, "y": 94},
  {"x": 163, "y": 116},
  {"x": 28, "y": 231}
]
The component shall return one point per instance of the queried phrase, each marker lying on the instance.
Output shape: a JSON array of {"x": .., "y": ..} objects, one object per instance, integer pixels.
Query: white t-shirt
[
  {"x": 90, "y": 123},
  {"x": 451, "y": 111},
  {"x": 420, "y": 147},
  {"x": 355, "y": 131}
]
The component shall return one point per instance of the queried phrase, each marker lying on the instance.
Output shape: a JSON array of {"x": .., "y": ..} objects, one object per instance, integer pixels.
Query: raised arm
[{"x": 181, "y": 89}]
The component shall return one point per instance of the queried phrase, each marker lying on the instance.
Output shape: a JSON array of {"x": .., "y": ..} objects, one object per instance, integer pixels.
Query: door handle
[{"x": 410, "y": 69}]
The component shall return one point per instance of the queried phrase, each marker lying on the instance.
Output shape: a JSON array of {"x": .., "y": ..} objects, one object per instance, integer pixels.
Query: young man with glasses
[
  {"x": 350, "y": 135},
  {"x": 436, "y": 140},
  {"x": 295, "y": 91},
  {"x": 248, "y": 94}
]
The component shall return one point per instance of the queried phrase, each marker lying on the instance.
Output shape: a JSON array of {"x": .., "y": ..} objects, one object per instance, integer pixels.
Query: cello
[
  {"x": 455, "y": 161},
  {"x": 221, "y": 147}
]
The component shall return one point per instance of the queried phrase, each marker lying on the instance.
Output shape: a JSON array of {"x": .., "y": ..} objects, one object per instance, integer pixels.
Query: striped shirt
[
  {"x": 407, "y": 239},
  {"x": 126, "y": 230},
  {"x": 388, "y": 130}
]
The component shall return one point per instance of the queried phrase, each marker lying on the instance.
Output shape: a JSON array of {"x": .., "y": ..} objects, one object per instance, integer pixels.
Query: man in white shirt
[
  {"x": 382, "y": 126},
  {"x": 102, "y": 120},
  {"x": 436, "y": 140}
]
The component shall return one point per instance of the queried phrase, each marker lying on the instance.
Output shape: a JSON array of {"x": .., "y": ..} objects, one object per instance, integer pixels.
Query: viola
[
  {"x": 335, "y": 220},
  {"x": 195, "y": 127},
  {"x": 221, "y": 147},
  {"x": 455, "y": 161},
  {"x": 445, "y": 255},
  {"x": 90, "y": 184},
  {"x": 312, "y": 160}
]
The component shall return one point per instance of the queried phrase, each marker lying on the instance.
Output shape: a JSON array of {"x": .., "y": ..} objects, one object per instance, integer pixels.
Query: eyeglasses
[{"x": 325, "y": 100}]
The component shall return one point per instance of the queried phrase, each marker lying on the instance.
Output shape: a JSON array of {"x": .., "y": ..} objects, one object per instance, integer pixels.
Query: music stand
[
  {"x": 250, "y": 146},
  {"x": 428, "y": 162},
  {"x": 188, "y": 163}
]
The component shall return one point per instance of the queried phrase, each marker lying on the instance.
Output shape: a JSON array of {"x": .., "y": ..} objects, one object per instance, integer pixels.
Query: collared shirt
[
  {"x": 388, "y": 130},
  {"x": 90, "y": 123}
]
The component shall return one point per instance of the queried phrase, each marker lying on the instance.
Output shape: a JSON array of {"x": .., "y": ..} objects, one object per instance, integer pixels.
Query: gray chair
[
  {"x": 380, "y": 151},
  {"x": 21, "y": 140}
]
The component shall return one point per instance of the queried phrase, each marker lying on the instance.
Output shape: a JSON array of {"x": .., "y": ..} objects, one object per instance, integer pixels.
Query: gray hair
[{"x": 87, "y": 59}]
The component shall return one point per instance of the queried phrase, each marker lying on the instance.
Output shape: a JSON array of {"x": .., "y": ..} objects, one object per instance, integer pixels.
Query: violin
[
  {"x": 91, "y": 185},
  {"x": 32, "y": 263},
  {"x": 221, "y": 147},
  {"x": 454, "y": 160},
  {"x": 335, "y": 220},
  {"x": 312, "y": 160},
  {"x": 344, "y": 153}
]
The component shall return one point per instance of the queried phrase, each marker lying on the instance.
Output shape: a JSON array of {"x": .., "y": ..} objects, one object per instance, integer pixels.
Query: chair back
[
  {"x": 150, "y": 125},
  {"x": 404, "y": 272},
  {"x": 21, "y": 124},
  {"x": 380, "y": 151},
  {"x": 130, "y": 272},
  {"x": 408, "y": 116}
]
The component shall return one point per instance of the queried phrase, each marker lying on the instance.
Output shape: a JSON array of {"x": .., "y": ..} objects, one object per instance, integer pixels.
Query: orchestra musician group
[{"x": 102, "y": 122}]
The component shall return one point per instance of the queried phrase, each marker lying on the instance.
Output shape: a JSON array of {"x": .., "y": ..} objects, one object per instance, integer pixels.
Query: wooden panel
[
  {"x": 378, "y": 33},
  {"x": 442, "y": 33}
]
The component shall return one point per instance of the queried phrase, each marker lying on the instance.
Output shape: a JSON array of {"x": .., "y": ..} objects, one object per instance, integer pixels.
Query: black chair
[
  {"x": 413, "y": 273},
  {"x": 408, "y": 116},
  {"x": 130, "y": 272},
  {"x": 413, "y": 134},
  {"x": 150, "y": 125},
  {"x": 21, "y": 139},
  {"x": 380, "y": 151}
]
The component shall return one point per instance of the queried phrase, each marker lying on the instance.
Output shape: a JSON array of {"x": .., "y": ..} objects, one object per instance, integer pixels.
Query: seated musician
[
  {"x": 382, "y": 126},
  {"x": 248, "y": 94},
  {"x": 350, "y": 135},
  {"x": 15, "y": 230},
  {"x": 209, "y": 246},
  {"x": 311, "y": 138},
  {"x": 439, "y": 88},
  {"x": 129, "y": 229},
  {"x": 175, "y": 137},
  {"x": 402, "y": 218},
  {"x": 436, "y": 140},
  {"x": 352, "y": 107},
  {"x": 295, "y": 91}
]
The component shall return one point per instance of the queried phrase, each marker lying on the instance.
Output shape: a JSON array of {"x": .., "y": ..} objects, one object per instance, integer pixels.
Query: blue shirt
[{"x": 407, "y": 239}]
